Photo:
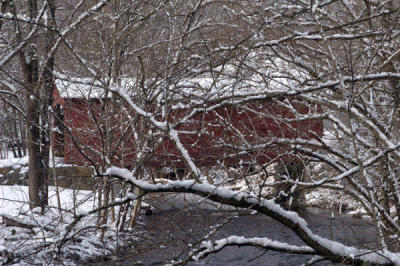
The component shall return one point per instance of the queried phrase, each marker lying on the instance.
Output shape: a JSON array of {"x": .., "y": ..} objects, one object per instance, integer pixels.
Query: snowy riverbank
[
  {"x": 39, "y": 238},
  {"x": 30, "y": 238}
]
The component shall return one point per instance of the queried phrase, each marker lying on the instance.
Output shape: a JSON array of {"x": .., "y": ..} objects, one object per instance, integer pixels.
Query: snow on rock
[
  {"x": 17, "y": 163},
  {"x": 14, "y": 162}
]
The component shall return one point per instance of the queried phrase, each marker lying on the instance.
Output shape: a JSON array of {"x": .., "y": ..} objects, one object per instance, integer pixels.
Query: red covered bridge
[{"x": 227, "y": 134}]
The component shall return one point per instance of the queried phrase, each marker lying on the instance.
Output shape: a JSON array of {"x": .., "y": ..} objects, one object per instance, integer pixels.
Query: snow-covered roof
[
  {"x": 213, "y": 89},
  {"x": 195, "y": 87},
  {"x": 206, "y": 86},
  {"x": 88, "y": 88},
  {"x": 82, "y": 89}
]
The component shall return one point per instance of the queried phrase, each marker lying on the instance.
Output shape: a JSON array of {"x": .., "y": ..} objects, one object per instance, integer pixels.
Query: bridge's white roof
[
  {"x": 201, "y": 87},
  {"x": 82, "y": 89}
]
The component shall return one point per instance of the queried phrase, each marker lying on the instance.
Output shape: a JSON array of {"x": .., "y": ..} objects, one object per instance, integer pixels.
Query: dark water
[{"x": 166, "y": 235}]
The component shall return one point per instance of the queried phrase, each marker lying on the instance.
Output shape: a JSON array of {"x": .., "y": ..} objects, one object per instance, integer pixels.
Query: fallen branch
[{"x": 13, "y": 221}]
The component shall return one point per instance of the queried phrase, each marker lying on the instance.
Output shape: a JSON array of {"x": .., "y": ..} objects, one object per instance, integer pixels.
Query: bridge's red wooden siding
[
  {"x": 209, "y": 137},
  {"x": 216, "y": 138}
]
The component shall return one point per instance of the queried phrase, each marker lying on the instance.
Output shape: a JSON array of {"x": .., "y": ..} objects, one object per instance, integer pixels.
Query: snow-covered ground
[
  {"x": 38, "y": 239},
  {"x": 14, "y": 199}
]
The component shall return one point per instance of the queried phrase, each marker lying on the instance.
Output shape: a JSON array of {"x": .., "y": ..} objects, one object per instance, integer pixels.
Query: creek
[{"x": 166, "y": 234}]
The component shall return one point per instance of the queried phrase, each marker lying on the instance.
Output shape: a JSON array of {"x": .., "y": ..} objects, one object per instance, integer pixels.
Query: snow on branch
[
  {"x": 24, "y": 42},
  {"x": 355, "y": 169},
  {"x": 265, "y": 243},
  {"x": 315, "y": 35},
  {"x": 71, "y": 28}
]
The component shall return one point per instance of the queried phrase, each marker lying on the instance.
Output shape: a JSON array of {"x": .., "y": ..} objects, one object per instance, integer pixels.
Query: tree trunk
[
  {"x": 38, "y": 99},
  {"x": 37, "y": 190},
  {"x": 17, "y": 134},
  {"x": 24, "y": 135},
  {"x": 293, "y": 171}
]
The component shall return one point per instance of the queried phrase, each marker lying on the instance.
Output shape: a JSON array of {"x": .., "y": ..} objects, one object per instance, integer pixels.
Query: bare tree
[
  {"x": 242, "y": 84},
  {"x": 342, "y": 61},
  {"x": 35, "y": 27}
]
